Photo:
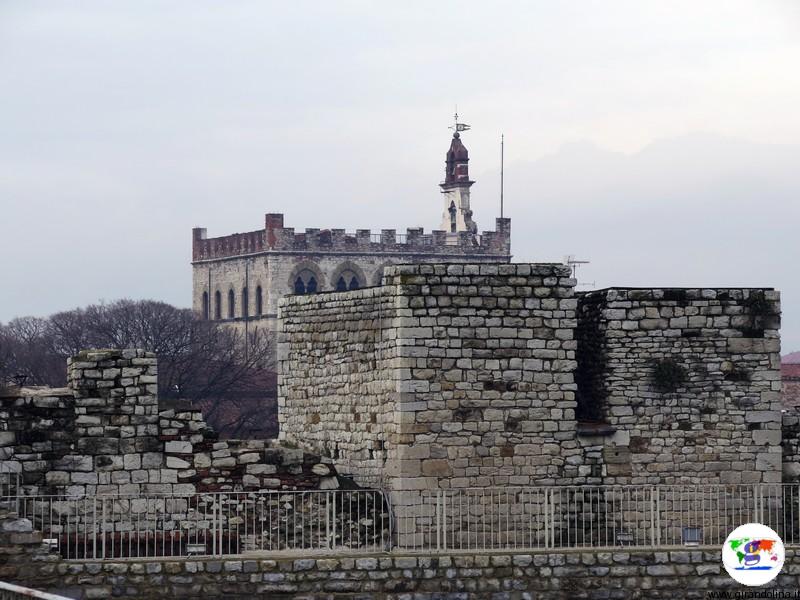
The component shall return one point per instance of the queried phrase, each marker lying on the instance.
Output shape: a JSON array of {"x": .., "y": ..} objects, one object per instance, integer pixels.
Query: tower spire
[{"x": 457, "y": 215}]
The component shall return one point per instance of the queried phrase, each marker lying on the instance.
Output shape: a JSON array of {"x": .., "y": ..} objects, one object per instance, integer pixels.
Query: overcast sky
[{"x": 660, "y": 140}]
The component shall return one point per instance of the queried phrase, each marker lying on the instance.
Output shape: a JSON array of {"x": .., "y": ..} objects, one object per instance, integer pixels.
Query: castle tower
[{"x": 457, "y": 215}]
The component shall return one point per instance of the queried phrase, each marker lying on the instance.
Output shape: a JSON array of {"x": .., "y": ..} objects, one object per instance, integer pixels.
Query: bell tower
[{"x": 457, "y": 215}]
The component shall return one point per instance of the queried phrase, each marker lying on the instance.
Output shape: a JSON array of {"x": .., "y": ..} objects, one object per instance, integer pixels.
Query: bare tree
[
  {"x": 228, "y": 375},
  {"x": 27, "y": 352}
]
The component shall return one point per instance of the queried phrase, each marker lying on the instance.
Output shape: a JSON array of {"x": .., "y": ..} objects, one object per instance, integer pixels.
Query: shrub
[{"x": 668, "y": 375}]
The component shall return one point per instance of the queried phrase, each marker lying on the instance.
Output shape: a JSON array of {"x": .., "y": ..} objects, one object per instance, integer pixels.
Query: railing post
[
  {"x": 655, "y": 517},
  {"x": 444, "y": 520},
  {"x": 214, "y": 529},
  {"x": 103, "y": 513},
  {"x": 553, "y": 517},
  {"x": 546, "y": 518},
  {"x": 328, "y": 536},
  {"x": 658, "y": 516},
  {"x": 94, "y": 528},
  {"x": 756, "y": 503},
  {"x": 385, "y": 497},
  {"x": 220, "y": 525},
  {"x": 439, "y": 520}
]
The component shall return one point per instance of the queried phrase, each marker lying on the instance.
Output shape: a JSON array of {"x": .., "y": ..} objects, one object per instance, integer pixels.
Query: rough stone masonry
[
  {"x": 688, "y": 378},
  {"x": 454, "y": 376},
  {"x": 106, "y": 434}
]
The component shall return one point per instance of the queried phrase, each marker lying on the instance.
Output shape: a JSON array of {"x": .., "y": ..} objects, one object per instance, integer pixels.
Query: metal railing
[
  {"x": 10, "y": 481},
  {"x": 593, "y": 516},
  {"x": 211, "y": 524},
  {"x": 363, "y": 521},
  {"x": 10, "y": 591}
]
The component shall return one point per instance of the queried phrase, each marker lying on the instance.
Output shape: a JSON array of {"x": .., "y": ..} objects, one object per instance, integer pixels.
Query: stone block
[
  {"x": 16, "y": 525},
  {"x": 98, "y": 445},
  {"x": 248, "y": 458},
  {"x": 771, "y": 461},
  {"x": 257, "y": 469},
  {"x": 762, "y": 416},
  {"x": 753, "y": 345},
  {"x": 436, "y": 468},
  {"x": 178, "y": 447},
  {"x": 173, "y": 462},
  {"x": 321, "y": 469},
  {"x": 770, "y": 437},
  {"x": 224, "y": 463},
  {"x": 73, "y": 462},
  {"x": 81, "y": 478},
  {"x": 57, "y": 478}
]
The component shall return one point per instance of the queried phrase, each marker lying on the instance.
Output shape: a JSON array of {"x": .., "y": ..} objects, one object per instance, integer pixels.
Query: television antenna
[{"x": 574, "y": 263}]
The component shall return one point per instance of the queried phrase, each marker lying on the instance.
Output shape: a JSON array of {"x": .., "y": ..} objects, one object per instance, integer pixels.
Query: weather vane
[{"x": 458, "y": 126}]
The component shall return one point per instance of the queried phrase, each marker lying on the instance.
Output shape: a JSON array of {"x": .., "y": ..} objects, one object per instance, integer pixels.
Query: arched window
[
  {"x": 231, "y": 304},
  {"x": 205, "y": 306},
  {"x": 452, "y": 211},
  {"x": 217, "y": 305},
  {"x": 259, "y": 302},
  {"x": 245, "y": 303},
  {"x": 305, "y": 282},
  {"x": 377, "y": 276},
  {"x": 347, "y": 281}
]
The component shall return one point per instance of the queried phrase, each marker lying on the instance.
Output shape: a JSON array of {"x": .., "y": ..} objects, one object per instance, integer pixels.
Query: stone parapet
[{"x": 277, "y": 238}]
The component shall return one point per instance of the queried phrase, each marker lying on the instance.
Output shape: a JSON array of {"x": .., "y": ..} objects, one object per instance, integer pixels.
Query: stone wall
[
  {"x": 790, "y": 444},
  {"x": 675, "y": 385},
  {"x": 689, "y": 379},
  {"x": 337, "y": 368},
  {"x": 621, "y": 574},
  {"x": 479, "y": 359},
  {"x": 106, "y": 434}
]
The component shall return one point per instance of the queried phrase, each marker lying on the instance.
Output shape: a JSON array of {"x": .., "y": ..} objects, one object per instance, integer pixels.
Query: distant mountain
[{"x": 793, "y": 358}]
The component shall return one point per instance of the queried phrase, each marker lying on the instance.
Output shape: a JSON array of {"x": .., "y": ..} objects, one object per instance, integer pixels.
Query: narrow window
[
  {"x": 348, "y": 280},
  {"x": 205, "y": 306},
  {"x": 217, "y": 305},
  {"x": 259, "y": 301},
  {"x": 452, "y": 211},
  {"x": 231, "y": 304},
  {"x": 305, "y": 283},
  {"x": 245, "y": 303}
]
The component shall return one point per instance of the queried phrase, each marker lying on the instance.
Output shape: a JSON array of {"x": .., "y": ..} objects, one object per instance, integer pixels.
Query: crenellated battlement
[{"x": 277, "y": 238}]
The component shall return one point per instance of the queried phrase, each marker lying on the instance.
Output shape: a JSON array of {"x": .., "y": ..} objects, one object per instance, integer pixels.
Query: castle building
[{"x": 239, "y": 278}]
